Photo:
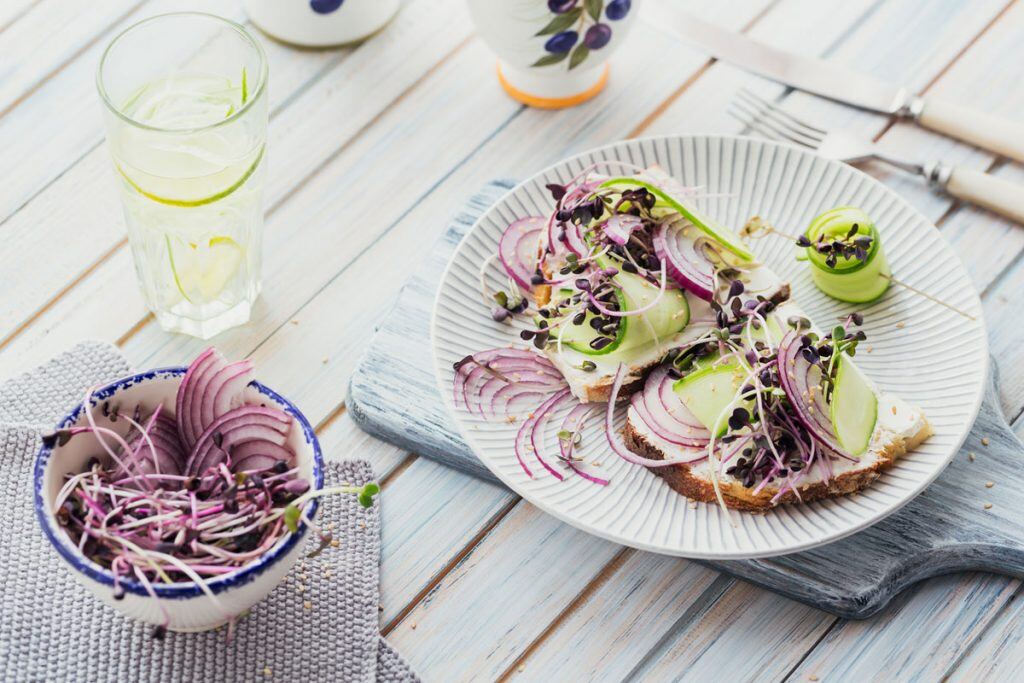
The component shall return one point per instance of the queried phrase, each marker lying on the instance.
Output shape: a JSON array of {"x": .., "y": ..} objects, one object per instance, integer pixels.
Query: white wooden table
[{"x": 372, "y": 148}]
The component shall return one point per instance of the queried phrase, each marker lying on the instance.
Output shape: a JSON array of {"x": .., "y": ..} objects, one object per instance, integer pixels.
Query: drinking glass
[{"x": 185, "y": 100}]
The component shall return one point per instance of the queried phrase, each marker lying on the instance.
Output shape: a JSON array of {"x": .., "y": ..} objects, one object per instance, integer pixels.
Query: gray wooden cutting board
[{"x": 393, "y": 395}]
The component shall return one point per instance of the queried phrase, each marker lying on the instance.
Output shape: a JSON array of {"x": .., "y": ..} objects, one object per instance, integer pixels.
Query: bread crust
[{"x": 682, "y": 480}]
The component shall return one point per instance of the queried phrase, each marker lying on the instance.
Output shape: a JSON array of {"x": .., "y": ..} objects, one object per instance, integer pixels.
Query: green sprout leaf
[
  {"x": 579, "y": 55},
  {"x": 548, "y": 60},
  {"x": 366, "y": 494},
  {"x": 291, "y": 518},
  {"x": 561, "y": 22},
  {"x": 594, "y": 8},
  {"x": 245, "y": 87}
]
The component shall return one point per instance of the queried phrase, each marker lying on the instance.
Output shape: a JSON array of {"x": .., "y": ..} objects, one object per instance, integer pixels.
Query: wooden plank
[
  {"x": 86, "y": 196},
  {"x": 623, "y": 618},
  {"x": 49, "y": 35},
  {"x": 998, "y": 654},
  {"x": 917, "y": 639},
  {"x": 509, "y": 589},
  {"x": 427, "y": 513},
  {"x": 12, "y": 10},
  {"x": 747, "y": 635}
]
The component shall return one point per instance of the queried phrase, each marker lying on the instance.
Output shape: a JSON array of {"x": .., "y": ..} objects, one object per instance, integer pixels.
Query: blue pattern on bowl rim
[{"x": 180, "y": 590}]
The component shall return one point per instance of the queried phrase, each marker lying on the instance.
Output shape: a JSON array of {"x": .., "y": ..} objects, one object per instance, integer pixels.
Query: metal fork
[{"x": 771, "y": 121}]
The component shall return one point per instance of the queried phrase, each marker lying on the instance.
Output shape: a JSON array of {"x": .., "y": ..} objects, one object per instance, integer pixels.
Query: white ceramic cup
[
  {"x": 553, "y": 53},
  {"x": 187, "y": 607},
  {"x": 320, "y": 23}
]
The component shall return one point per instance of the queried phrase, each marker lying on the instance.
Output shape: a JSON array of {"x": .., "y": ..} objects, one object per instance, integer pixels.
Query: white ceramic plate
[{"x": 922, "y": 351}]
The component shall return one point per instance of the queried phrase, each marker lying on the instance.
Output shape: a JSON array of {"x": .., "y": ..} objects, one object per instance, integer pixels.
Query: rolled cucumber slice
[
  {"x": 854, "y": 408},
  {"x": 849, "y": 280},
  {"x": 709, "y": 392},
  {"x": 673, "y": 203}
]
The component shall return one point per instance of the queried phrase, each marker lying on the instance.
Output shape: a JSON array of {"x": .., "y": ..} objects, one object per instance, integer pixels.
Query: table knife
[{"x": 843, "y": 84}]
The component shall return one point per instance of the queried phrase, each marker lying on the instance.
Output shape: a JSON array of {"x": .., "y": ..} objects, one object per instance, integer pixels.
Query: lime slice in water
[{"x": 202, "y": 270}]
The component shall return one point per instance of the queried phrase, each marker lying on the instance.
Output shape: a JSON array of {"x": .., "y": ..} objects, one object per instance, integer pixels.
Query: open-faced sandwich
[{"x": 733, "y": 394}]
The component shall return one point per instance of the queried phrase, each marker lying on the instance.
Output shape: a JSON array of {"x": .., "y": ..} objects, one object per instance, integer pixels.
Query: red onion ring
[
  {"x": 620, "y": 448},
  {"x": 688, "y": 267},
  {"x": 794, "y": 372},
  {"x": 518, "y": 249},
  {"x": 672, "y": 425}
]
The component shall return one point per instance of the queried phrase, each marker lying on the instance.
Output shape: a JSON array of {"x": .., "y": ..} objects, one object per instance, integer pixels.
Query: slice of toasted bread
[{"x": 900, "y": 428}]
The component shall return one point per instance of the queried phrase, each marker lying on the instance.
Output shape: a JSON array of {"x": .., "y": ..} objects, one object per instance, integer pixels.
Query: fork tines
[{"x": 771, "y": 121}]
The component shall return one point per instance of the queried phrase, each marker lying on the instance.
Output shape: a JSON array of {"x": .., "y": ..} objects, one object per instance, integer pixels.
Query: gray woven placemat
[{"x": 317, "y": 625}]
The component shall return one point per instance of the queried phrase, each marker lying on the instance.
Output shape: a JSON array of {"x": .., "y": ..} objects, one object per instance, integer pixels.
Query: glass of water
[{"x": 185, "y": 100}]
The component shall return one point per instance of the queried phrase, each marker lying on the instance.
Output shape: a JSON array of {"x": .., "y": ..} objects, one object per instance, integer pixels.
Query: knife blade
[{"x": 843, "y": 84}]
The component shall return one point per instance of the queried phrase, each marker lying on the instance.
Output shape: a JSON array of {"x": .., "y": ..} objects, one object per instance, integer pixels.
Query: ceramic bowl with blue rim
[{"x": 187, "y": 606}]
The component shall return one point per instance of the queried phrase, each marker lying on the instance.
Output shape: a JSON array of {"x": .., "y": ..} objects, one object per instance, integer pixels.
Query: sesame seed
[
  {"x": 984, "y": 441},
  {"x": 870, "y": 349},
  {"x": 989, "y": 484},
  {"x": 812, "y": 677},
  {"x": 267, "y": 671},
  {"x": 335, "y": 543},
  {"x": 300, "y": 588},
  {"x": 693, "y": 505},
  {"x": 521, "y": 668},
  {"x": 324, "y": 360},
  {"x": 988, "y": 506},
  {"x": 900, "y": 325},
  {"x": 295, "y": 322},
  {"x": 307, "y": 605},
  {"x": 380, "y": 607},
  {"x": 303, "y": 577},
  {"x": 971, "y": 456},
  {"x": 412, "y": 625}
]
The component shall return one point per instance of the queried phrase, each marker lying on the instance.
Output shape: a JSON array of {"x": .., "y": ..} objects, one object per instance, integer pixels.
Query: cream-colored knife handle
[
  {"x": 994, "y": 133},
  {"x": 995, "y": 194}
]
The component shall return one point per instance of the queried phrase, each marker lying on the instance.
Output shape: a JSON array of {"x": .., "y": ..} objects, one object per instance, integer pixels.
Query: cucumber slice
[
  {"x": 709, "y": 392},
  {"x": 202, "y": 270},
  {"x": 849, "y": 280},
  {"x": 665, "y": 319},
  {"x": 670, "y": 203},
  {"x": 854, "y": 408}
]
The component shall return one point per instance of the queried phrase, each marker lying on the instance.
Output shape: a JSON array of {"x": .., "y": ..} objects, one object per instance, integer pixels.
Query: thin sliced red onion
[
  {"x": 688, "y": 267},
  {"x": 186, "y": 394},
  {"x": 518, "y": 249},
  {"x": 494, "y": 381},
  {"x": 673, "y": 426},
  {"x": 616, "y": 445},
  {"x": 795, "y": 379},
  {"x": 537, "y": 419},
  {"x": 525, "y": 433},
  {"x": 620, "y": 226},
  {"x": 247, "y": 423}
]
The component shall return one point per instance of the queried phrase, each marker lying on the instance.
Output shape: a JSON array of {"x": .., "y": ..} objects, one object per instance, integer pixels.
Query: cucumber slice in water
[
  {"x": 202, "y": 271},
  {"x": 673, "y": 203},
  {"x": 854, "y": 408},
  {"x": 709, "y": 392}
]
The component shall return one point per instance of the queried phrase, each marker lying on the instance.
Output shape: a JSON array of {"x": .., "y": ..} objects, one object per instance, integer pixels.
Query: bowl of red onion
[{"x": 181, "y": 496}]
